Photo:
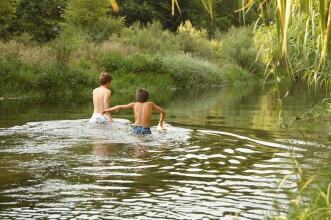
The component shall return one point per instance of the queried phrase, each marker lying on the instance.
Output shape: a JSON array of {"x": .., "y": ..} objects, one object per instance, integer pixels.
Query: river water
[{"x": 223, "y": 156}]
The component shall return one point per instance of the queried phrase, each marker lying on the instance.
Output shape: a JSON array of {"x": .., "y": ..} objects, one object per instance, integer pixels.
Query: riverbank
[{"x": 148, "y": 57}]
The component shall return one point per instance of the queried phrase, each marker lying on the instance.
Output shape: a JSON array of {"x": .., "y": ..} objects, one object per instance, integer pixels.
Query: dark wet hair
[
  {"x": 142, "y": 95},
  {"x": 105, "y": 78}
]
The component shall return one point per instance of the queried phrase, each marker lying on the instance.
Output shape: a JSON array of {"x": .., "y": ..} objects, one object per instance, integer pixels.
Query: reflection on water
[{"x": 223, "y": 157}]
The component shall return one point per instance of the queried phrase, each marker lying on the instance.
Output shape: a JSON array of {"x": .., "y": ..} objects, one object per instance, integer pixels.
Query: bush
[
  {"x": 188, "y": 71},
  {"x": 195, "y": 41},
  {"x": 151, "y": 38},
  {"x": 111, "y": 61},
  {"x": 17, "y": 77},
  {"x": 238, "y": 47},
  {"x": 104, "y": 28},
  {"x": 236, "y": 74},
  {"x": 137, "y": 63},
  {"x": 64, "y": 45},
  {"x": 185, "y": 71}
]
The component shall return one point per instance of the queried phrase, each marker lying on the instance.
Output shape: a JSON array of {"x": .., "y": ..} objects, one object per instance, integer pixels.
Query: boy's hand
[
  {"x": 105, "y": 111},
  {"x": 161, "y": 124}
]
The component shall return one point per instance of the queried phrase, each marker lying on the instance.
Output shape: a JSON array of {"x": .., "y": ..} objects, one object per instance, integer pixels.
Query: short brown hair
[
  {"x": 105, "y": 78},
  {"x": 142, "y": 95}
]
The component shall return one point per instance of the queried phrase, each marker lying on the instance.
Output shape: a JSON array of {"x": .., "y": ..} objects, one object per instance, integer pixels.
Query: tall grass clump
[
  {"x": 301, "y": 38},
  {"x": 311, "y": 200}
]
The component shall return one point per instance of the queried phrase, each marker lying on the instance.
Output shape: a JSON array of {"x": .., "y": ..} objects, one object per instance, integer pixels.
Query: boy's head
[
  {"x": 105, "y": 79},
  {"x": 142, "y": 95}
]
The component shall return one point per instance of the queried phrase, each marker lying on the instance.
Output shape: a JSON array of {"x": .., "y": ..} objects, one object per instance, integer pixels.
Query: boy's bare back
[
  {"x": 143, "y": 113},
  {"x": 143, "y": 110},
  {"x": 101, "y": 97}
]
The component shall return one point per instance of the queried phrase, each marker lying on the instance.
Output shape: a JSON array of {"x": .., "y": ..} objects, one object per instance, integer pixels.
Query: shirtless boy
[
  {"x": 143, "y": 110},
  {"x": 101, "y": 96}
]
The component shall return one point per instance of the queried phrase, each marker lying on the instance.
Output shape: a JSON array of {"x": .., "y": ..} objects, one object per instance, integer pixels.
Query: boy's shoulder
[{"x": 145, "y": 103}]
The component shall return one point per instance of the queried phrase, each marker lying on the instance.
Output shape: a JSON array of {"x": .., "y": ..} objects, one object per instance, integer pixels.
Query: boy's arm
[
  {"x": 118, "y": 108},
  {"x": 162, "y": 113}
]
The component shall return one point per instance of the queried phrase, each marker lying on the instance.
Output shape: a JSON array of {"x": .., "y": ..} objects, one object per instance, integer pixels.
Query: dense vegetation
[{"x": 65, "y": 45}]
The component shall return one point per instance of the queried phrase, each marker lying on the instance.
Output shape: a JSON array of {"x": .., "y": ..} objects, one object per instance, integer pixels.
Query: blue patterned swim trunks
[{"x": 141, "y": 130}]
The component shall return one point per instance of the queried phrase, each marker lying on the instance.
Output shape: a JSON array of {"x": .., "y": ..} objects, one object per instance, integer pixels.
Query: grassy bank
[{"x": 137, "y": 56}]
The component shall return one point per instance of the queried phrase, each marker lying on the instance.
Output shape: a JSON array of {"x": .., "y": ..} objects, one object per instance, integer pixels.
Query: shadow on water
[{"x": 223, "y": 156}]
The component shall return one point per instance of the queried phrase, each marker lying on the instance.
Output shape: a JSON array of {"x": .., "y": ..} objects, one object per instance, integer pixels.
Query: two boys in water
[{"x": 142, "y": 108}]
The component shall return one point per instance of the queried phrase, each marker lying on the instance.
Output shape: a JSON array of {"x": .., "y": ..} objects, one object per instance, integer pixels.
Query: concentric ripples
[{"x": 70, "y": 169}]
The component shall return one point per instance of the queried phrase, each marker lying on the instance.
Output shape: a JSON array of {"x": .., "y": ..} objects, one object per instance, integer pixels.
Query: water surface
[{"x": 223, "y": 156}]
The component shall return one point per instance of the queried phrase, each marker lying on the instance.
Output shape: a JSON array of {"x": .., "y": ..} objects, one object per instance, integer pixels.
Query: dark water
[{"x": 223, "y": 156}]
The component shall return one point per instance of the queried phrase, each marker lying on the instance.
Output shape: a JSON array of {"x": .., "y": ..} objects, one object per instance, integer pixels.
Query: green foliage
[
  {"x": 136, "y": 63},
  {"x": 265, "y": 39},
  {"x": 236, "y": 74},
  {"x": 195, "y": 41},
  {"x": 184, "y": 70},
  {"x": 238, "y": 47},
  {"x": 17, "y": 77},
  {"x": 64, "y": 45},
  {"x": 188, "y": 71},
  {"x": 321, "y": 110},
  {"x": 92, "y": 17},
  {"x": 39, "y": 18},
  {"x": 129, "y": 81},
  {"x": 151, "y": 38},
  {"x": 147, "y": 11},
  {"x": 7, "y": 16}
]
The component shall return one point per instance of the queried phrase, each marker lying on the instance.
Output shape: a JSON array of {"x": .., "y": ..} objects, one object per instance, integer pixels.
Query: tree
[
  {"x": 146, "y": 11},
  {"x": 7, "y": 16},
  {"x": 40, "y": 18},
  {"x": 92, "y": 17}
]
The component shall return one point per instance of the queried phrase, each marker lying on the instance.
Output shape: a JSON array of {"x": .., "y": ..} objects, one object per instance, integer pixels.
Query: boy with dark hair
[
  {"x": 101, "y": 96},
  {"x": 143, "y": 110}
]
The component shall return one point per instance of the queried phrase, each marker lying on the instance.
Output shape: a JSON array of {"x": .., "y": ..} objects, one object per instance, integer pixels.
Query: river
[{"x": 223, "y": 156}]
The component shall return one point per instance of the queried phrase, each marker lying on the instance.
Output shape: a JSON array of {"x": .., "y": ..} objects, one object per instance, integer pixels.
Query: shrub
[
  {"x": 139, "y": 63},
  {"x": 151, "y": 38},
  {"x": 111, "y": 61},
  {"x": 195, "y": 41},
  {"x": 236, "y": 74},
  {"x": 188, "y": 71},
  {"x": 64, "y": 45},
  {"x": 104, "y": 28},
  {"x": 17, "y": 77},
  {"x": 238, "y": 47},
  {"x": 150, "y": 80},
  {"x": 184, "y": 70}
]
